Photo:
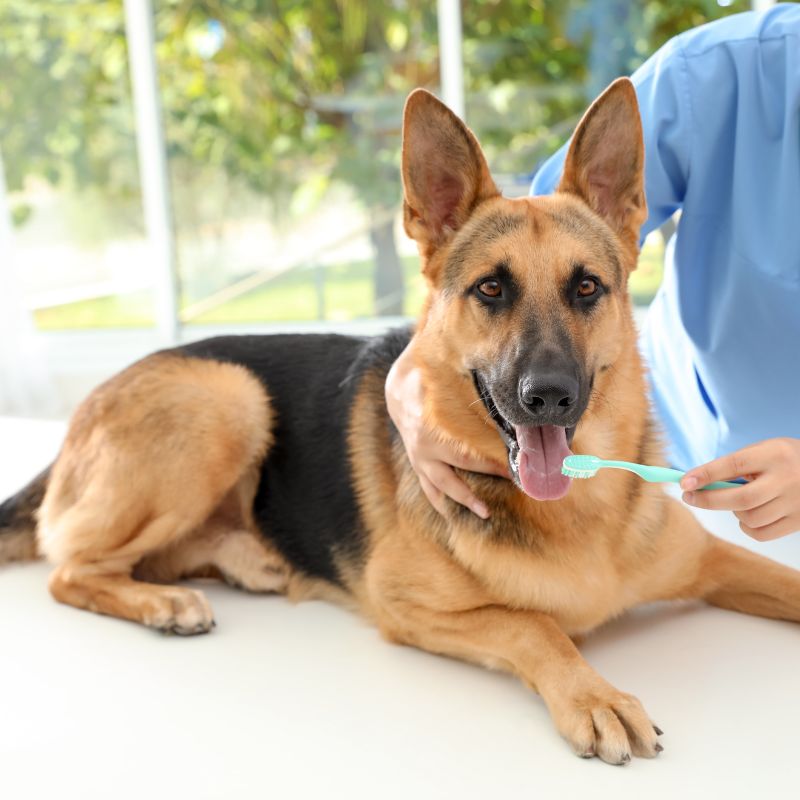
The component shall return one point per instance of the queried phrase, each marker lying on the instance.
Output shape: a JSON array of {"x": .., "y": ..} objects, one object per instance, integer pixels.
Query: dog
[{"x": 270, "y": 461}]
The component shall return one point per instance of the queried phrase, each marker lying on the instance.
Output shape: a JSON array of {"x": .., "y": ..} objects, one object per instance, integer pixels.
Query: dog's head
[{"x": 528, "y": 296}]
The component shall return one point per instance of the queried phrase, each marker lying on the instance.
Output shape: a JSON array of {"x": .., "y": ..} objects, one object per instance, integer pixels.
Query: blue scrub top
[{"x": 721, "y": 114}]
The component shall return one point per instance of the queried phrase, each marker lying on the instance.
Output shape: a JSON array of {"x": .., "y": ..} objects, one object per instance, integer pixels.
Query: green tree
[
  {"x": 278, "y": 93},
  {"x": 300, "y": 89}
]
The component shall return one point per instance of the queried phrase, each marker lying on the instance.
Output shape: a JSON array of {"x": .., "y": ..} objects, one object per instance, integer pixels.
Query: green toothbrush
[{"x": 587, "y": 466}]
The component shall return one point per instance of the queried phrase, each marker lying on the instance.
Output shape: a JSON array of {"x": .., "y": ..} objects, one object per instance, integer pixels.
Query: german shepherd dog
[{"x": 271, "y": 462}]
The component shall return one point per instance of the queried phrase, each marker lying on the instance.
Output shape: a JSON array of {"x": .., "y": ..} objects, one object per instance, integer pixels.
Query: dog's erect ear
[
  {"x": 444, "y": 172},
  {"x": 605, "y": 162}
]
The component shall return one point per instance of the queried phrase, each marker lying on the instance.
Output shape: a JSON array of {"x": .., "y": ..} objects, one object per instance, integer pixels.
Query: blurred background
[{"x": 173, "y": 169}]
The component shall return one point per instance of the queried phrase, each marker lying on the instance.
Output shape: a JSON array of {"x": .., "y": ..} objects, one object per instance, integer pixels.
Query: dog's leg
[
  {"x": 240, "y": 558},
  {"x": 150, "y": 459},
  {"x": 590, "y": 713},
  {"x": 171, "y": 609},
  {"x": 246, "y": 563},
  {"x": 441, "y": 609},
  {"x": 690, "y": 563},
  {"x": 226, "y": 546},
  {"x": 738, "y": 579}
]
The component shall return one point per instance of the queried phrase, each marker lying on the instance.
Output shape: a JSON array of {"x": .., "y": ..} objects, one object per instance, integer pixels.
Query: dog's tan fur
[
  {"x": 169, "y": 494},
  {"x": 138, "y": 498}
]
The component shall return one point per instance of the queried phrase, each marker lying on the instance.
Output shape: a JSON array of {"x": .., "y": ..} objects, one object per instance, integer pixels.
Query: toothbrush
[{"x": 587, "y": 466}]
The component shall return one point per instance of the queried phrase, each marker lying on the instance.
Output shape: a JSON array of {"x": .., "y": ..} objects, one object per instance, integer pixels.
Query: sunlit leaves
[{"x": 272, "y": 91}]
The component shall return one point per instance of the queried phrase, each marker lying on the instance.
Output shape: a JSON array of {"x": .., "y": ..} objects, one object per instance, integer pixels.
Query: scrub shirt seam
[
  {"x": 690, "y": 114},
  {"x": 743, "y": 40},
  {"x": 706, "y": 402}
]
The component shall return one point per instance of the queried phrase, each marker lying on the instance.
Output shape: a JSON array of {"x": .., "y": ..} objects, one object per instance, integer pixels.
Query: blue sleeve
[
  {"x": 661, "y": 87},
  {"x": 549, "y": 174}
]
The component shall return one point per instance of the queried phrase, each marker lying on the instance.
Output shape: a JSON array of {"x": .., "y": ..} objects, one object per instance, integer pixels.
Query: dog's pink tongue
[{"x": 542, "y": 450}]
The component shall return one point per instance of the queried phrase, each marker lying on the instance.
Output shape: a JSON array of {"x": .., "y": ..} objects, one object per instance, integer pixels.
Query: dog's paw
[
  {"x": 182, "y": 611},
  {"x": 598, "y": 720}
]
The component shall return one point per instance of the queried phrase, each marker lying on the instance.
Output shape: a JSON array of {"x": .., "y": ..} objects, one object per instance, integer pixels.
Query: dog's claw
[
  {"x": 626, "y": 759},
  {"x": 658, "y": 730},
  {"x": 659, "y": 748},
  {"x": 180, "y": 630}
]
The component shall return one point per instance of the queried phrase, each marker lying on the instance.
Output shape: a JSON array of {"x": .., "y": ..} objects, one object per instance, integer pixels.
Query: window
[
  {"x": 281, "y": 130},
  {"x": 69, "y": 156}
]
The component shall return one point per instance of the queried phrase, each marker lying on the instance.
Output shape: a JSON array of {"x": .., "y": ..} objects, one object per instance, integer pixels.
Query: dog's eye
[
  {"x": 587, "y": 287},
  {"x": 490, "y": 288}
]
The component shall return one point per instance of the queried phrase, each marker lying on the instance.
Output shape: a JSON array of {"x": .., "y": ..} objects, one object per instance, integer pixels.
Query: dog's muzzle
[{"x": 535, "y": 451}]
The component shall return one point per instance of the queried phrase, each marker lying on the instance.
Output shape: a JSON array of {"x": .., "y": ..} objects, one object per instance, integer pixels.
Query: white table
[{"x": 307, "y": 701}]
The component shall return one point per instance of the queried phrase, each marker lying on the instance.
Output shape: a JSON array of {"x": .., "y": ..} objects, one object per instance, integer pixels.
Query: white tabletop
[{"x": 308, "y": 702}]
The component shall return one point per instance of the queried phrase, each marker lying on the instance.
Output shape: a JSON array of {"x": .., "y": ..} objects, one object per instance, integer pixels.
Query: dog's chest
[{"x": 580, "y": 589}]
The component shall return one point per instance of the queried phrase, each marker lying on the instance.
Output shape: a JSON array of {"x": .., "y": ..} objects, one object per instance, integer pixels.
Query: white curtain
[{"x": 26, "y": 388}]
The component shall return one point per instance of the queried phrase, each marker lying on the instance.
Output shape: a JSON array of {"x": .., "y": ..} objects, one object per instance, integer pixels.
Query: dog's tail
[{"x": 18, "y": 521}]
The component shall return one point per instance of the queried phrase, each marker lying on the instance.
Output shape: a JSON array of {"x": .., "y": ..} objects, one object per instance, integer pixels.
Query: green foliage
[
  {"x": 65, "y": 112},
  {"x": 20, "y": 214},
  {"x": 297, "y": 89},
  {"x": 532, "y": 66},
  {"x": 290, "y": 97},
  {"x": 303, "y": 88}
]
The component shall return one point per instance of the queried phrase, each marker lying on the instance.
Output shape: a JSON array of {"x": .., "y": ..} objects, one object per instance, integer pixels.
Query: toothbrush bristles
[{"x": 578, "y": 473}]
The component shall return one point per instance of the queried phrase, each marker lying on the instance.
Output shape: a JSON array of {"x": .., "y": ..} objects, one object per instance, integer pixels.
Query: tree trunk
[{"x": 389, "y": 281}]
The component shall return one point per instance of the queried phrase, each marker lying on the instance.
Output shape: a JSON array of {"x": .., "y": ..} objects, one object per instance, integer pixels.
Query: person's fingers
[
  {"x": 435, "y": 497},
  {"x": 783, "y": 527},
  {"x": 475, "y": 464},
  {"x": 749, "y": 495},
  {"x": 764, "y": 515},
  {"x": 750, "y": 461},
  {"x": 447, "y": 482}
]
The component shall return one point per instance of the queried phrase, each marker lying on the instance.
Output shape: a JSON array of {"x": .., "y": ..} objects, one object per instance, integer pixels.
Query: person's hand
[
  {"x": 768, "y": 507},
  {"x": 432, "y": 459}
]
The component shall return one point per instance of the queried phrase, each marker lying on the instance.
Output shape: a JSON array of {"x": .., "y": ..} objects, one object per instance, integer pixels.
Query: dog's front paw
[
  {"x": 598, "y": 720},
  {"x": 180, "y": 610}
]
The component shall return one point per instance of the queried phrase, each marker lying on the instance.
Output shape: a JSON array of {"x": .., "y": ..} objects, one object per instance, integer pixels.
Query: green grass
[
  {"x": 133, "y": 310},
  {"x": 348, "y": 295},
  {"x": 293, "y": 298}
]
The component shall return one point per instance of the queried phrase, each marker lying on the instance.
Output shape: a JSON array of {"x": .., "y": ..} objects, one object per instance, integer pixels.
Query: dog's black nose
[{"x": 552, "y": 394}]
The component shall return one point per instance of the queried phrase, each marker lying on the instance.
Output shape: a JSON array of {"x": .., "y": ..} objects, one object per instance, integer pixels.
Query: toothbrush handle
[
  {"x": 665, "y": 474},
  {"x": 661, "y": 474},
  {"x": 722, "y": 485},
  {"x": 668, "y": 475}
]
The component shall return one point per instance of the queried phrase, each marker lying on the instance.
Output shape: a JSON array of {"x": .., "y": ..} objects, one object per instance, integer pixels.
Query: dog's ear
[
  {"x": 605, "y": 162},
  {"x": 444, "y": 172}
]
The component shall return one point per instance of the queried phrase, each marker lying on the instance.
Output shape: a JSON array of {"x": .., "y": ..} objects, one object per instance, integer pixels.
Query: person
[{"x": 720, "y": 108}]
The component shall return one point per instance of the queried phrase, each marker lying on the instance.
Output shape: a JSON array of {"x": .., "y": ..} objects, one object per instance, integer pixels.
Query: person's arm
[{"x": 768, "y": 506}]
